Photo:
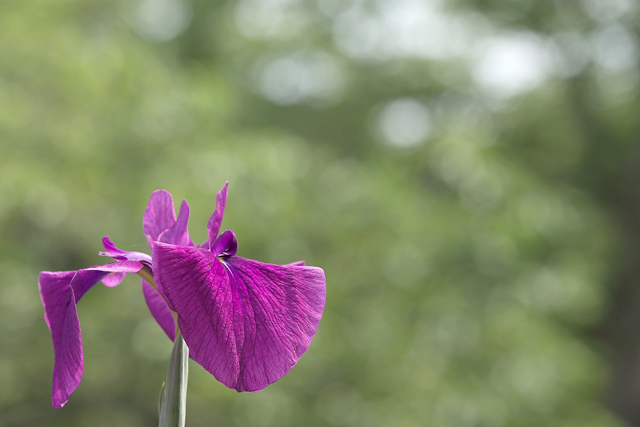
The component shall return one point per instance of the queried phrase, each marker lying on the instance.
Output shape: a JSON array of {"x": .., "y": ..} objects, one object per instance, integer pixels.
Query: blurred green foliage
[{"x": 477, "y": 228}]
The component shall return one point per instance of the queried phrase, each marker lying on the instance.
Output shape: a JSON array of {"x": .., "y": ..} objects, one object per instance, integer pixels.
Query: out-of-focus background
[{"x": 467, "y": 173}]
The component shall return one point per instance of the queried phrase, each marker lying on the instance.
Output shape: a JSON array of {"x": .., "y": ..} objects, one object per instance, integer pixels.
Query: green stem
[{"x": 173, "y": 397}]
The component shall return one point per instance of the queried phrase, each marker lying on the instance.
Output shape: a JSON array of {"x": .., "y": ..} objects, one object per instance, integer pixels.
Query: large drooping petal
[
  {"x": 159, "y": 215},
  {"x": 245, "y": 322},
  {"x": 159, "y": 310},
  {"x": 118, "y": 254},
  {"x": 213, "y": 226},
  {"x": 60, "y": 292}
]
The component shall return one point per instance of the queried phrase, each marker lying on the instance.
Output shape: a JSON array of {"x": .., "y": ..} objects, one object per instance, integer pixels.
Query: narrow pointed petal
[
  {"x": 159, "y": 215},
  {"x": 60, "y": 292},
  {"x": 178, "y": 233},
  {"x": 118, "y": 254},
  {"x": 213, "y": 226},
  {"x": 245, "y": 322},
  {"x": 159, "y": 310}
]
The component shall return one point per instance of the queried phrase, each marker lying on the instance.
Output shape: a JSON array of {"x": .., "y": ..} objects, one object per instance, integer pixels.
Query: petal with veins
[
  {"x": 178, "y": 233},
  {"x": 245, "y": 322},
  {"x": 159, "y": 215}
]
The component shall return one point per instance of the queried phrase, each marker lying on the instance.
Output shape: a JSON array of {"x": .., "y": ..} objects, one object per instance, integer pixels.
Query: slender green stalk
[{"x": 173, "y": 397}]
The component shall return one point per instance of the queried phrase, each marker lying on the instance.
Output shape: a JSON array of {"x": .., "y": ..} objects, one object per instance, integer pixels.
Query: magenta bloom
[{"x": 245, "y": 322}]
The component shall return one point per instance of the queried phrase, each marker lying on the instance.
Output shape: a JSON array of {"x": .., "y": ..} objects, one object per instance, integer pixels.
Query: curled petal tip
[
  {"x": 57, "y": 405},
  {"x": 106, "y": 242},
  {"x": 296, "y": 264},
  {"x": 226, "y": 244}
]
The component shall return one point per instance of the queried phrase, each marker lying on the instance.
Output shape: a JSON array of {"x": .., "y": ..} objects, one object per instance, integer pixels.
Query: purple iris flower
[{"x": 245, "y": 322}]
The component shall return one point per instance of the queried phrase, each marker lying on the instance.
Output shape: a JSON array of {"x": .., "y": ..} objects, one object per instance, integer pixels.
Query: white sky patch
[
  {"x": 501, "y": 64},
  {"x": 270, "y": 19},
  {"x": 511, "y": 64},
  {"x": 607, "y": 10},
  {"x": 404, "y": 28},
  {"x": 161, "y": 20},
  {"x": 405, "y": 122},
  {"x": 301, "y": 76},
  {"x": 615, "y": 48}
]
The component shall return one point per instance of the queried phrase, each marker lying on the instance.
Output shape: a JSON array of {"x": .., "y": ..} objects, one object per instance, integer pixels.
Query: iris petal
[
  {"x": 225, "y": 245},
  {"x": 159, "y": 215},
  {"x": 113, "y": 279},
  {"x": 159, "y": 310},
  {"x": 178, "y": 233},
  {"x": 245, "y": 322},
  {"x": 60, "y": 292},
  {"x": 113, "y": 252},
  {"x": 213, "y": 226}
]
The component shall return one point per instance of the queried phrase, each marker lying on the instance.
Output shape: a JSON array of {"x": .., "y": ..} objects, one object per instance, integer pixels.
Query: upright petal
[
  {"x": 213, "y": 226},
  {"x": 60, "y": 292},
  {"x": 178, "y": 233},
  {"x": 159, "y": 310},
  {"x": 159, "y": 215},
  {"x": 245, "y": 322}
]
